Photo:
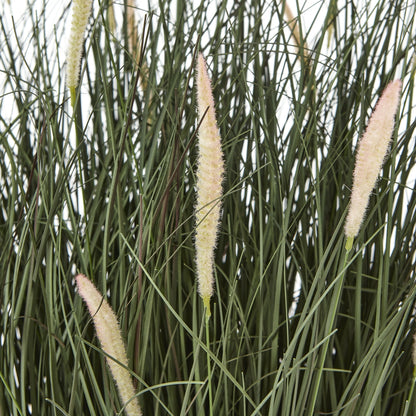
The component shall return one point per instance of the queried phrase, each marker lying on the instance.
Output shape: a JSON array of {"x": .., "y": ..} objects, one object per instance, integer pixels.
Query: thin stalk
[
  {"x": 208, "y": 364},
  {"x": 332, "y": 314}
]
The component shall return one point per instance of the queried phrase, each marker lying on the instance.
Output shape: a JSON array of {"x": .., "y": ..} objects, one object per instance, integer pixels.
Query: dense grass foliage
[{"x": 298, "y": 326}]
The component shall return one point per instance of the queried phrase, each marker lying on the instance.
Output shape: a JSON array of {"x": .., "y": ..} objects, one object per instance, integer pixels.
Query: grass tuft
[{"x": 107, "y": 189}]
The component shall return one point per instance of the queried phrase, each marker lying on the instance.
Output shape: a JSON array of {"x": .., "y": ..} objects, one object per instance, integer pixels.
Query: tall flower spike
[
  {"x": 209, "y": 177},
  {"x": 109, "y": 334},
  {"x": 372, "y": 150},
  {"x": 81, "y": 10}
]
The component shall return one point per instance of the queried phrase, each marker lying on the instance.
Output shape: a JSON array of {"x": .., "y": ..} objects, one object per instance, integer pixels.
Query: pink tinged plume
[
  {"x": 81, "y": 10},
  {"x": 372, "y": 150},
  {"x": 109, "y": 334},
  {"x": 209, "y": 191}
]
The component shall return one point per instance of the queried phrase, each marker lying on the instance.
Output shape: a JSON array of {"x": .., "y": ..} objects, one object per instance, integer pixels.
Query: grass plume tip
[
  {"x": 81, "y": 10},
  {"x": 109, "y": 334},
  {"x": 372, "y": 150},
  {"x": 210, "y": 173}
]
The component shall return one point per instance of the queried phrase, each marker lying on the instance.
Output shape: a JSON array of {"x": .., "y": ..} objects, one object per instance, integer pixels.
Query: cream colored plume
[
  {"x": 372, "y": 150},
  {"x": 209, "y": 191},
  {"x": 81, "y": 10},
  {"x": 109, "y": 334}
]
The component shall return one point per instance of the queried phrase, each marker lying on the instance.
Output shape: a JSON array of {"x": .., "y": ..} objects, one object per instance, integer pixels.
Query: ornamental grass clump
[
  {"x": 209, "y": 191},
  {"x": 80, "y": 13},
  {"x": 109, "y": 334},
  {"x": 372, "y": 150}
]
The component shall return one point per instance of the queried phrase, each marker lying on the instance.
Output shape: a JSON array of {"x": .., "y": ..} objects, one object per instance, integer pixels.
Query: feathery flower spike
[
  {"x": 372, "y": 150},
  {"x": 108, "y": 332},
  {"x": 209, "y": 177},
  {"x": 81, "y": 10}
]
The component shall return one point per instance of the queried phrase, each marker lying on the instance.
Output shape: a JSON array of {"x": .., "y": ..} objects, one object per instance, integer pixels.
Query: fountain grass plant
[{"x": 107, "y": 189}]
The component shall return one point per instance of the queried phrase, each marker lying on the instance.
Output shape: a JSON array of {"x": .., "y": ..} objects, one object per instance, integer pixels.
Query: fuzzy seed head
[
  {"x": 372, "y": 150},
  {"x": 81, "y": 10},
  {"x": 109, "y": 334},
  {"x": 209, "y": 178}
]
